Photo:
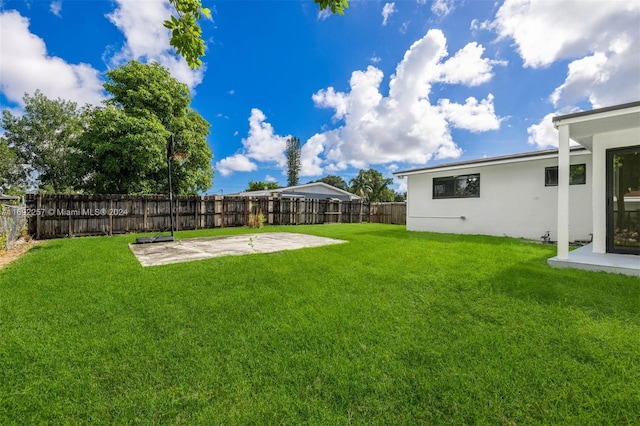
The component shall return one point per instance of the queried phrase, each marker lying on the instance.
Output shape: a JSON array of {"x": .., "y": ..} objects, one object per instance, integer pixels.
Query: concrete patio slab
[
  {"x": 205, "y": 248},
  {"x": 584, "y": 258}
]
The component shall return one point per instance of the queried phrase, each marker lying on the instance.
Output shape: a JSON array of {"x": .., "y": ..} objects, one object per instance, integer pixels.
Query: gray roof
[
  {"x": 480, "y": 161},
  {"x": 328, "y": 191},
  {"x": 596, "y": 111}
]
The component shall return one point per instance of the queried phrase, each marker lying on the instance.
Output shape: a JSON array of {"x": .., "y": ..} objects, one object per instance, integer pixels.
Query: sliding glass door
[{"x": 623, "y": 200}]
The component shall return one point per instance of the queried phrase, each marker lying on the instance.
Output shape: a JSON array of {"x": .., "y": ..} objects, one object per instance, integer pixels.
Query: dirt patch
[
  {"x": 205, "y": 248},
  {"x": 18, "y": 248}
]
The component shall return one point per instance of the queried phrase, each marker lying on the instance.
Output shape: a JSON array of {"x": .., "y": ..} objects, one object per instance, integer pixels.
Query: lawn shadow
[{"x": 596, "y": 293}]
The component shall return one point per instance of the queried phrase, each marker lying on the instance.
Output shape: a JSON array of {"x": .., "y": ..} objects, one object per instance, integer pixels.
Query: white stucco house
[
  {"x": 589, "y": 192},
  {"x": 314, "y": 190}
]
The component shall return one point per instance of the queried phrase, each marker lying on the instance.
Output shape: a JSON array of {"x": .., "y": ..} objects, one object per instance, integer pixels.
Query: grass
[{"x": 392, "y": 328}]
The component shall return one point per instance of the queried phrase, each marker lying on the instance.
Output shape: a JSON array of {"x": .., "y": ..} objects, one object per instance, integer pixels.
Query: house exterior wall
[
  {"x": 601, "y": 143},
  {"x": 514, "y": 201}
]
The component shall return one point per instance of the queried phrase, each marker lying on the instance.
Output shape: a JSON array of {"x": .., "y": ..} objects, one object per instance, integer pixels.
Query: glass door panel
[{"x": 623, "y": 200}]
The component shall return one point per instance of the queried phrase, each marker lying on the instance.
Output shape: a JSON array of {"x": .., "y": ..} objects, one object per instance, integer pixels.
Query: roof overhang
[
  {"x": 492, "y": 161},
  {"x": 583, "y": 125}
]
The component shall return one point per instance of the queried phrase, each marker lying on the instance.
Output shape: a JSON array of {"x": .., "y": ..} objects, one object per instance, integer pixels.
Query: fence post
[
  {"x": 176, "y": 209},
  {"x": 222, "y": 212},
  {"x": 196, "y": 211},
  {"x": 70, "y": 223},
  {"x": 144, "y": 214},
  {"x": 110, "y": 216},
  {"x": 38, "y": 210}
]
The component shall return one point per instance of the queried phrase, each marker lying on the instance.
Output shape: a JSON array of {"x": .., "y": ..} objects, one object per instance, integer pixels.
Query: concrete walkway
[{"x": 205, "y": 248}]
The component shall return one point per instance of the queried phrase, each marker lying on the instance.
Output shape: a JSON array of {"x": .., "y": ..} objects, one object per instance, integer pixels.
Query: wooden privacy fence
[
  {"x": 62, "y": 215},
  {"x": 391, "y": 213}
]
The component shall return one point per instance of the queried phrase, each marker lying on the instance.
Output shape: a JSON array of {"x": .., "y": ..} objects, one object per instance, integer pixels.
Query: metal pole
[{"x": 169, "y": 153}]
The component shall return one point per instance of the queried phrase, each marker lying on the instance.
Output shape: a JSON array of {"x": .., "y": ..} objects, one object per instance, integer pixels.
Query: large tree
[
  {"x": 42, "y": 139},
  {"x": 124, "y": 150},
  {"x": 258, "y": 185},
  {"x": 186, "y": 34},
  {"x": 293, "y": 160},
  {"x": 372, "y": 187},
  {"x": 336, "y": 181},
  {"x": 11, "y": 172}
]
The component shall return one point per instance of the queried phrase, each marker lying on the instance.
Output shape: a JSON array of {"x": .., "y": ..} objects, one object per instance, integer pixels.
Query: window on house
[
  {"x": 465, "y": 186},
  {"x": 577, "y": 175}
]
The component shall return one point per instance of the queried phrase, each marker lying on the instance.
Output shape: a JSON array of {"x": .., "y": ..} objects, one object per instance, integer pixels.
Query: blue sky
[{"x": 389, "y": 85}]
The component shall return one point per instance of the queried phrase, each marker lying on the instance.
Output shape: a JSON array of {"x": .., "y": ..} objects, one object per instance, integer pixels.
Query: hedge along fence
[{"x": 62, "y": 215}]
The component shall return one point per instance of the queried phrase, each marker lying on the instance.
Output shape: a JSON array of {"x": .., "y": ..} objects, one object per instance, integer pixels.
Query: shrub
[{"x": 256, "y": 220}]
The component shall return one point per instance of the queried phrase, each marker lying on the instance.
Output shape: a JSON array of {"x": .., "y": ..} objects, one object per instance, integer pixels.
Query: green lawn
[{"x": 392, "y": 328}]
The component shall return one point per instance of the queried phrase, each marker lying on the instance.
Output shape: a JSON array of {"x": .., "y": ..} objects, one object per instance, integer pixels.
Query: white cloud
[
  {"x": 583, "y": 75},
  {"x": 601, "y": 39},
  {"x": 55, "y": 8},
  {"x": 269, "y": 178},
  {"x": 442, "y": 7},
  {"x": 261, "y": 145},
  {"x": 569, "y": 29},
  {"x": 324, "y": 14},
  {"x": 328, "y": 98},
  {"x": 375, "y": 59},
  {"x": 468, "y": 67},
  {"x": 235, "y": 163},
  {"x": 403, "y": 126},
  {"x": 387, "y": 10},
  {"x": 147, "y": 39},
  {"x": 26, "y": 66},
  {"x": 543, "y": 134},
  {"x": 473, "y": 115},
  {"x": 310, "y": 162}
]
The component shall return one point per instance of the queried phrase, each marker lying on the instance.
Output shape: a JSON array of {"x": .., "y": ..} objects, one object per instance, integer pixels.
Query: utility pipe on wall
[{"x": 439, "y": 217}]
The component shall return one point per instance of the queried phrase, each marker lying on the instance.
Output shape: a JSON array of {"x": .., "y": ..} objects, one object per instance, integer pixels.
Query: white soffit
[{"x": 582, "y": 126}]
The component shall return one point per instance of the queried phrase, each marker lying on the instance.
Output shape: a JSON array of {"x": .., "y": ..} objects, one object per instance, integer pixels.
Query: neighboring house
[
  {"x": 586, "y": 193},
  {"x": 315, "y": 190}
]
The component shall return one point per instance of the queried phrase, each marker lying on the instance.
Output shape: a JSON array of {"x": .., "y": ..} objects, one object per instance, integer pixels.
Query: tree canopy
[
  {"x": 42, "y": 140},
  {"x": 124, "y": 148},
  {"x": 336, "y": 181},
  {"x": 186, "y": 33},
  {"x": 372, "y": 187},
  {"x": 259, "y": 185},
  {"x": 11, "y": 172},
  {"x": 293, "y": 155},
  {"x": 336, "y": 6}
]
